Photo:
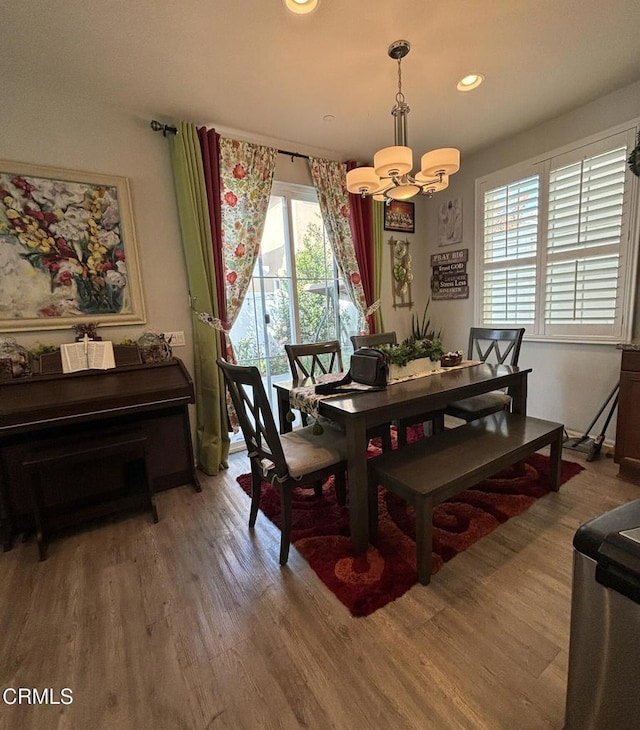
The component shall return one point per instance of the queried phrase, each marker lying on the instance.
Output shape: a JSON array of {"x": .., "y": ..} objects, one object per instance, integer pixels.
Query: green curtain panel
[
  {"x": 212, "y": 436},
  {"x": 378, "y": 248}
]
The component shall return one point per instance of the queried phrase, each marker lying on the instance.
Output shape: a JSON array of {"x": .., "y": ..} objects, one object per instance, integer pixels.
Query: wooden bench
[
  {"x": 437, "y": 468},
  {"x": 65, "y": 453}
]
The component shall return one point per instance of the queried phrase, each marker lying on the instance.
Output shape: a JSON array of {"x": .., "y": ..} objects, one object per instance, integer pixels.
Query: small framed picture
[
  {"x": 399, "y": 216},
  {"x": 450, "y": 222}
]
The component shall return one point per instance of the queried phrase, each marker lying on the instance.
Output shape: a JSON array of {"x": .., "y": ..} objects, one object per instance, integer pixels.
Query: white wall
[{"x": 569, "y": 383}]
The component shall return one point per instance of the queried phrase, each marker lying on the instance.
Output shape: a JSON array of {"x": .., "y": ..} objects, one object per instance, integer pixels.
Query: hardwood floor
[{"x": 192, "y": 624}]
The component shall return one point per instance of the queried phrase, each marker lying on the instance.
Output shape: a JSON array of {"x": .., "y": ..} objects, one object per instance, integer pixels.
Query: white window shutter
[
  {"x": 584, "y": 240},
  {"x": 510, "y": 235}
]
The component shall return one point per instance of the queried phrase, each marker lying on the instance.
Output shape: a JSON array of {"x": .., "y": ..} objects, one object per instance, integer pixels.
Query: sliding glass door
[{"x": 296, "y": 294}]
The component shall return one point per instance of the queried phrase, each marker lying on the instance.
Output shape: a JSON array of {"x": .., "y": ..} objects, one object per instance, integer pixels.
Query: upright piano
[{"x": 37, "y": 411}]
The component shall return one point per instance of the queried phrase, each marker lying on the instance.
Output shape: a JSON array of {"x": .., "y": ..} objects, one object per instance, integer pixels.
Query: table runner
[{"x": 306, "y": 400}]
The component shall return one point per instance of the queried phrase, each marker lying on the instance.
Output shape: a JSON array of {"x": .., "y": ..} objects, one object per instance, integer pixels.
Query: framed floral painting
[{"x": 67, "y": 249}]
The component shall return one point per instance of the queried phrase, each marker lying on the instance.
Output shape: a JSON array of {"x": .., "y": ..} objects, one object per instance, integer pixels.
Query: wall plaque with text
[{"x": 449, "y": 279}]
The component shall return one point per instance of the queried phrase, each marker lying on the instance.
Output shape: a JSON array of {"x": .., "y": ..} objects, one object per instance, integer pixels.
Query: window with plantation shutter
[
  {"x": 584, "y": 240},
  {"x": 556, "y": 237},
  {"x": 510, "y": 234}
]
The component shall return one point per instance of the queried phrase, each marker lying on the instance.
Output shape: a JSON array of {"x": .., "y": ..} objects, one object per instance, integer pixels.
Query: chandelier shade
[
  {"x": 393, "y": 161},
  {"x": 390, "y": 177},
  {"x": 402, "y": 192},
  {"x": 431, "y": 185},
  {"x": 365, "y": 178},
  {"x": 444, "y": 161}
]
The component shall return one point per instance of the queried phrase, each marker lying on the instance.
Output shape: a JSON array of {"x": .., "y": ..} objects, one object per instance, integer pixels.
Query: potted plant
[
  {"x": 36, "y": 353},
  {"x": 416, "y": 355},
  {"x": 420, "y": 328}
]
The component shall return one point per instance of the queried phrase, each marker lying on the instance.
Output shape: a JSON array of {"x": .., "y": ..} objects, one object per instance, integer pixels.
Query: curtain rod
[
  {"x": 164, "y": 128},
  {"x": 169, "y": 129},
  {"x": 293, "y": 154}
]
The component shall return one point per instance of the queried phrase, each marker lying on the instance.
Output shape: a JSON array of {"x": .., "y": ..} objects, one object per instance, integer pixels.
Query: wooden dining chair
[
  {"x": 297, "y": 459},
  {"x": 380, "y": 338},
  {"x": 500, "y": 346},
  {"x": 312, "y": 359},
  {"x": 316, "y": 358}
]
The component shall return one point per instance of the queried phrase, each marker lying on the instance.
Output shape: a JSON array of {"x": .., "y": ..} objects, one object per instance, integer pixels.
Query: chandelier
[{"x": 389, "y": 178}]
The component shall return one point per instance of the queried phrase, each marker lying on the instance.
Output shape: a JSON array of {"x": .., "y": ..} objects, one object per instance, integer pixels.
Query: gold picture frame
[{"x": 68, "y": 250}]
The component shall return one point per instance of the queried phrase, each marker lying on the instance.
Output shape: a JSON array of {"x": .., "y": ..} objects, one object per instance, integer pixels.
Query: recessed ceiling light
[
  {"x": 470, "y": 81},
  {"x": 301, "y": 7}
]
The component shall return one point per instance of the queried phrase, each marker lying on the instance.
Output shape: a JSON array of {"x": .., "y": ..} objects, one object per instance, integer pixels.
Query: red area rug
[{"x": 367, "y": 582}]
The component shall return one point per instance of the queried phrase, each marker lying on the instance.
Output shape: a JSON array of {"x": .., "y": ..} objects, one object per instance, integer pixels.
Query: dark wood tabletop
[{"x": 361, "y": 411}]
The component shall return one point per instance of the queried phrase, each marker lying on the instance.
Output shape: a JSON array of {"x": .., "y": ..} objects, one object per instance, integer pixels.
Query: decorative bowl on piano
[
  {"x": 14, "y": 360},
  {"x": 154, "y": 348},
  {"x": 451, "y": 359}
]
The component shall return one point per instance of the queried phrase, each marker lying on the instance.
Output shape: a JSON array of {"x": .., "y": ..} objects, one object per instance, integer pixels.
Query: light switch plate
[{"x": 175, "y": 339}]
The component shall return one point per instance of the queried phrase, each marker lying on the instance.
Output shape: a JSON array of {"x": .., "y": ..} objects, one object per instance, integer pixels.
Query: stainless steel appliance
[{"x": 603, "y": 690}]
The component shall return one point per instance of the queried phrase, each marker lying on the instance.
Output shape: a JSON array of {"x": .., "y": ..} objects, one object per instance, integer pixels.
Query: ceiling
[{"x": 250, "y": 65}]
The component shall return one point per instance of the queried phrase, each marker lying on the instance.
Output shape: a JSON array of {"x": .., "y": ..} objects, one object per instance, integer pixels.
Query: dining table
[{"x": 357, "y": 413}]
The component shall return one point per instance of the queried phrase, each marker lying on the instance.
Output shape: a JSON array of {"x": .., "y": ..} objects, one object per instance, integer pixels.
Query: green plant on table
[
  {"x": 420, "y": 328},
  {"x": 424, "y": 342},
  {"x": 410, "y": 349}
]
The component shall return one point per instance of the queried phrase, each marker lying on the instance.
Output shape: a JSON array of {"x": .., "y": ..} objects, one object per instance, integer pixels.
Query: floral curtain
[
  {"x": 330, "y": 180},
  {"x": 246, "y": 176},
  {"x": 193, "y": 210}
]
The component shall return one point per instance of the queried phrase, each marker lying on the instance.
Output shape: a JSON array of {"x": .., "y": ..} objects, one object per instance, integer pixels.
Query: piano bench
[{"x": 128, "y": 447}]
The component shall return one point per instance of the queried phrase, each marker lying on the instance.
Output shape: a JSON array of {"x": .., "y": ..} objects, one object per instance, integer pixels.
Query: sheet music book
[{"x": 87, "y": 355}]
